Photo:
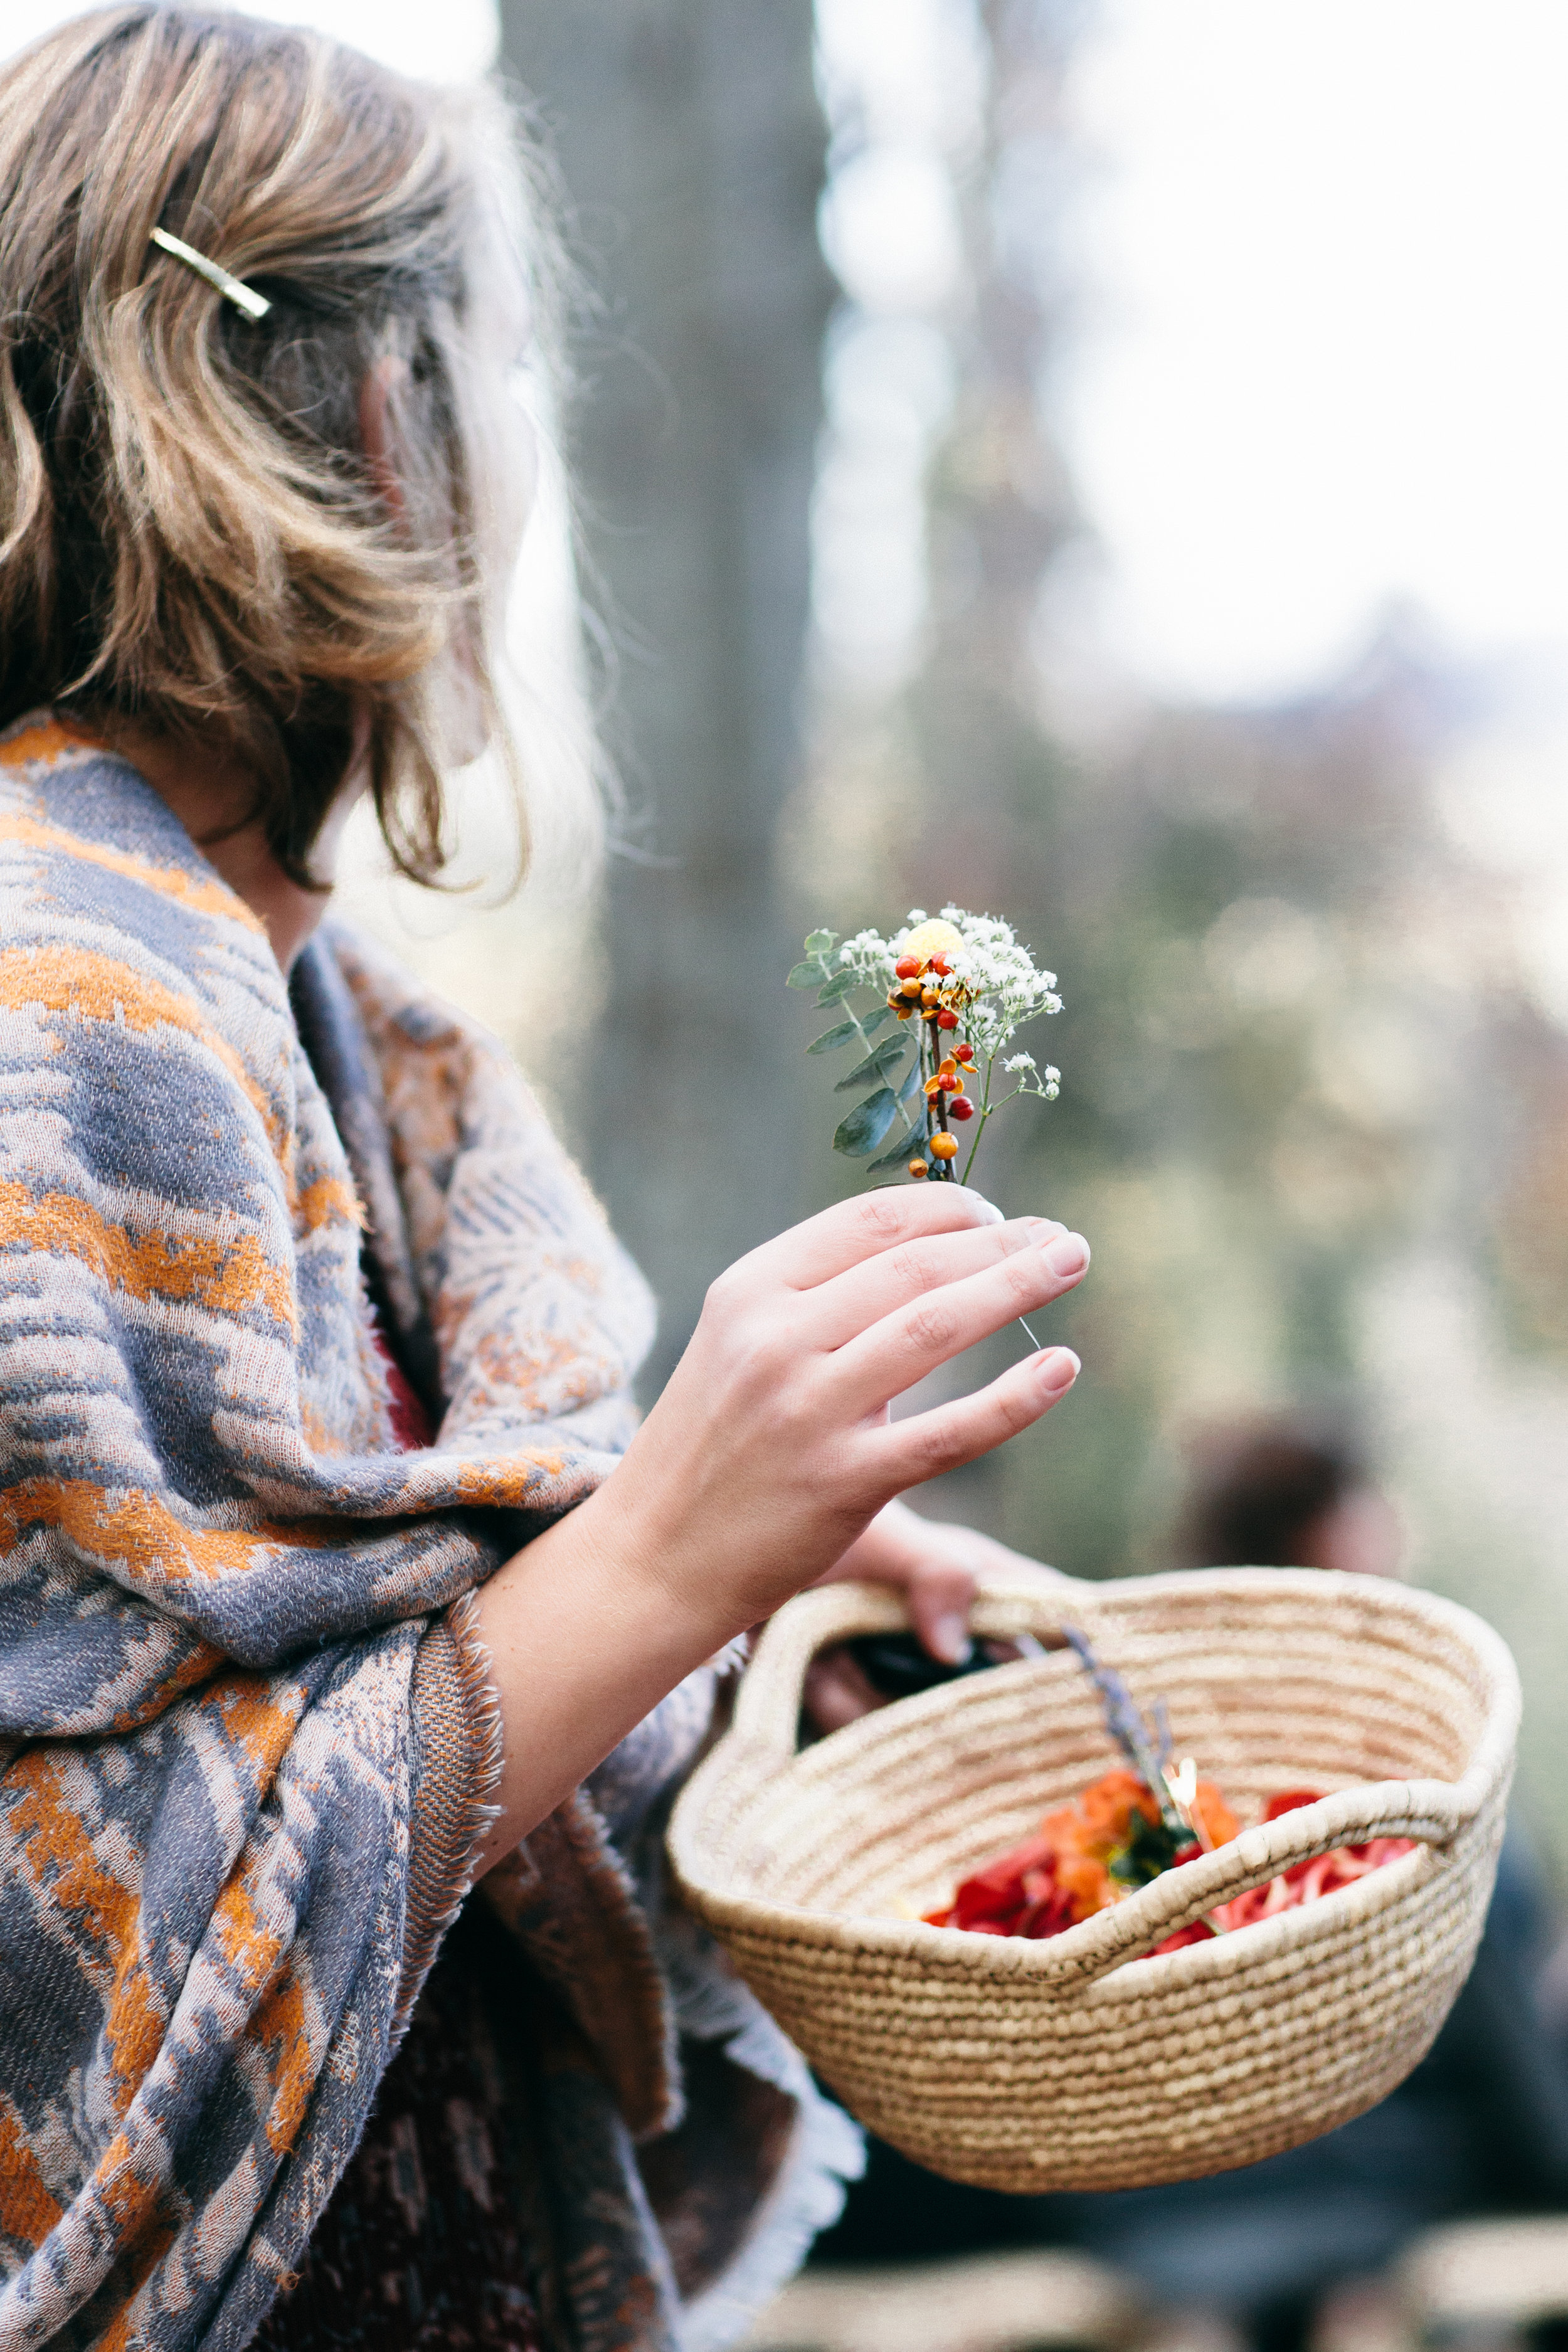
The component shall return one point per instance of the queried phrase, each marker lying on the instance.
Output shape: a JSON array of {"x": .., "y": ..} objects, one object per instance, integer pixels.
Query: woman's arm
[{"x": 764, "y": 1461}]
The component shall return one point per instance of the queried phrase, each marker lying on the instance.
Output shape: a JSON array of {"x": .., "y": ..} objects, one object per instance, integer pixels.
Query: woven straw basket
[{"x": 1073, "y": 2063}]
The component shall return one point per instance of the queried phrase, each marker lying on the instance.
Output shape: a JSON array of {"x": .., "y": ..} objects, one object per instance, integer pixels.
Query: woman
[{"x": 331, "y": 1583}]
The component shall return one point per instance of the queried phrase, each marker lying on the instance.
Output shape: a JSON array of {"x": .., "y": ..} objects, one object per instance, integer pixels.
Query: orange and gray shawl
[{"x": 245, "y": 1743}]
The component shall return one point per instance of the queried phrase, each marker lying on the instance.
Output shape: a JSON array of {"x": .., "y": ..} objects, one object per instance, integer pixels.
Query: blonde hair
[{"x": 193, "y": 534}]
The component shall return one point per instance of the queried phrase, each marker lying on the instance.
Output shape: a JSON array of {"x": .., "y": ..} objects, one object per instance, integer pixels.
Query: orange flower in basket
[{"x": 1078, "y": 1864}]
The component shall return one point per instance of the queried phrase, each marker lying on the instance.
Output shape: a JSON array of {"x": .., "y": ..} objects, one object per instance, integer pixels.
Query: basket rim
[
  {"x": 744, "y": 1764},
  {"x": 1084, "y": 1961}
]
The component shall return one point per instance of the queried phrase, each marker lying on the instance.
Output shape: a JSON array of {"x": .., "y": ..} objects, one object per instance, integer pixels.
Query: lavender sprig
[{"x": 1147, "y": 1750}]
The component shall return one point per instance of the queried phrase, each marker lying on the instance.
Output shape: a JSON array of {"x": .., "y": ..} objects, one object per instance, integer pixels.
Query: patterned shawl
[{"x": 246, "y": 1735}]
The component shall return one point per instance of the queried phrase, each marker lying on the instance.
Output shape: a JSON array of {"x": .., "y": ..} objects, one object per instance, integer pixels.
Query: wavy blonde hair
[{"x": 193, "y": 534}]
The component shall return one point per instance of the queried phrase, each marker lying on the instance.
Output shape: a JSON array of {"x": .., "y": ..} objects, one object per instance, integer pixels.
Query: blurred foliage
[{"x": 1296, "y": 1053}]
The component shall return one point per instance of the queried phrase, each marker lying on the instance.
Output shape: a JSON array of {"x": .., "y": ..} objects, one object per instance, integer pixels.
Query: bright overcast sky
[{"x": 1328, "y": 248}]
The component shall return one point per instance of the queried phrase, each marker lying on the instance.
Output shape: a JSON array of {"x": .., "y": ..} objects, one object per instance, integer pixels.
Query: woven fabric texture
[{"x": 234, "y": 1812}]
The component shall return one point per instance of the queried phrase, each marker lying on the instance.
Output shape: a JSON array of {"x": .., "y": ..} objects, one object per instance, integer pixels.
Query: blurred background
[{"x": 1101, "y": 462}]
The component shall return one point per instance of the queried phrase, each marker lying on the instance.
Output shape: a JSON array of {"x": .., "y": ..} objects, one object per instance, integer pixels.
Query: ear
[{"x": 376, "y": 434}]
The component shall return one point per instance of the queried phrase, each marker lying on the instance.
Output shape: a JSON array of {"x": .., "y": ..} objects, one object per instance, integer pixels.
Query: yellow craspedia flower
[{"x": 934, "y": 937}]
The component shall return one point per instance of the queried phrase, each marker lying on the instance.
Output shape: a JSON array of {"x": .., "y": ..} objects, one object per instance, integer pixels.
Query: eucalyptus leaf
[
  {"x": 880, "y": 1063},
  {"x": 912, "y": 1082},
  {"x": 839, "y": 1035},
  {"x": 878, "y": 1019},
  {"x": 904, "y": 1150},
  {"x": 818, "y": 942},
  {"x": 804, "y": 975},
  {"x": 867, "y": 1124},
  {"x": 840, "y": 985}
]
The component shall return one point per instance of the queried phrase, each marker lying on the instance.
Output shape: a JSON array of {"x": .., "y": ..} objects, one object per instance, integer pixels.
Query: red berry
[
  {"x": 960, "y": 1107},
  {"x": 945, "y": 1020},
  {"x": 964, "y": 1053},
  {"x": 941, "y": 963},
  {"x": 907, "y": 967}
]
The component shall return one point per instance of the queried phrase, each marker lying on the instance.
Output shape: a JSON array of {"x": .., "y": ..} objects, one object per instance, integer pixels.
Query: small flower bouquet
[
  {"x": 960, "y": 986},
  {"x": 1130, "y": 1826}
]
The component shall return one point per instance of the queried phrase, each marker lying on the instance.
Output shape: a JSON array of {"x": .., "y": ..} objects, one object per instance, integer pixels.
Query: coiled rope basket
[{"x": 1074, "y": 2063}]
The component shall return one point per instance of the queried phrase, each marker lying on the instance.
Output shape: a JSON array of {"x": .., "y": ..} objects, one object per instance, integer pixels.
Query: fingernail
[
  {"x": 990, "y": 1214},
  {"x": 1027, "y": 1232},
  {"x": 950, "y": 1638},
  {"x": 1067, "y": 1254},
  {"x": 1059, "y": 1370}
]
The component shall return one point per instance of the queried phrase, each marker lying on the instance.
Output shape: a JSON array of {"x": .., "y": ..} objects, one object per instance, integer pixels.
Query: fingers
[
  {"x": 839, "y": 1310},
  {"x": 915, "y": 1339},
  {"x": 844, "y": 1235},
  {"x": 952, "y": 1435},
  {"x": 939, "y": 1595}
]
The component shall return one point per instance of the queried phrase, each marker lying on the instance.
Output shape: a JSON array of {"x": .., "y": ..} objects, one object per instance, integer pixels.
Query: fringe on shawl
[{"x": 455, "y": 1708}]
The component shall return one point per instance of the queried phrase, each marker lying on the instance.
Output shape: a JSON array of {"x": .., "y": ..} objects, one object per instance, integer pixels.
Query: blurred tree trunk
[{"x": 693, "y": 151}]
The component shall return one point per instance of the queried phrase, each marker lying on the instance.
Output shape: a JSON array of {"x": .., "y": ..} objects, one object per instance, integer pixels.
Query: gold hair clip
[{"x": 235, "y": 290}]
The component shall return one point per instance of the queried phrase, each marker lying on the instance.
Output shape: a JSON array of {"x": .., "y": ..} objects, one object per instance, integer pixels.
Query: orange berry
[
  {"x": 943, "y": 1147},
  {"x": 909, "y": 988},
  {"x": 917, "y": 1168}
]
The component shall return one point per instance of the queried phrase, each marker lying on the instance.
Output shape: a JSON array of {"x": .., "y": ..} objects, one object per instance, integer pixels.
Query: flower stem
[{"x": 982, "y": 1115}]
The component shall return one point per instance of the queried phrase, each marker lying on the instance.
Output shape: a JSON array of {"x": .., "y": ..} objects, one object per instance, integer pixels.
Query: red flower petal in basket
[
  {"x": 1196, "y": 1934},
  {"x": 1304, "y": 1882},
  {"x": 1291, "y": 1801}
]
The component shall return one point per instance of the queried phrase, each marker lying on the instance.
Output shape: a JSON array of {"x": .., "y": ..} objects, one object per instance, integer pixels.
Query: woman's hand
[
  {"x": 936, "y": 1568},
  {"x": 771, "y": 1451},
  {"x": 764, "y": 1461}
]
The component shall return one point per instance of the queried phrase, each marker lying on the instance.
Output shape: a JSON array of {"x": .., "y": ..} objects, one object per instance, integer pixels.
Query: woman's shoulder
[
  {"x": 108, "y": 851},
  {"x": 111, "y": 919},
  {"x": 139, "y": 994}
]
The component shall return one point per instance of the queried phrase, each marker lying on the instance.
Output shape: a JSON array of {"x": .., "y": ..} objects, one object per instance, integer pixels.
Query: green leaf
[
  {"x": 838, "y": 1035},
  {"x": 912, "y": 1082},
  {"x": 804, "y": 975},
  {"x": 867, "y": 1124},
  {"x": 840, "y": 985},
  {"x": 902, "y": 1151},
  {"x": 878, "y": 1019},
  {"x": 818, "y": 942},
  {"x": 880, "y": 1063}
]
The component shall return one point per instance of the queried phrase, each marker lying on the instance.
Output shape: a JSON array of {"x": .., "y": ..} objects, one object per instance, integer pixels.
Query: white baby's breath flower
[
  {"x": 971, "y": 983},
  {"x": 870, "y": 957}
]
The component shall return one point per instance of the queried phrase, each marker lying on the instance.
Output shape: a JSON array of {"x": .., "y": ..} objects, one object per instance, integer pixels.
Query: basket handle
[
  {"x": 767, "y": 1715},
  {"x": 767, "y": 1708}
]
